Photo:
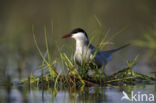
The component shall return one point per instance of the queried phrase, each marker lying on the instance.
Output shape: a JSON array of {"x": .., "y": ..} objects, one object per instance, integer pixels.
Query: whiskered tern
[{"x": 85, "y": 52}]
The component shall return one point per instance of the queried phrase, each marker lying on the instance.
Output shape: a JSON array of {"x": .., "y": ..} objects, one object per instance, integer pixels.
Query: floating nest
[{"x": 74, "y": 78}]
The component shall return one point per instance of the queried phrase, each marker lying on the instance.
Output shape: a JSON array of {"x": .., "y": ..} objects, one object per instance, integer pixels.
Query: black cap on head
[{"x": 79, "y": 30}]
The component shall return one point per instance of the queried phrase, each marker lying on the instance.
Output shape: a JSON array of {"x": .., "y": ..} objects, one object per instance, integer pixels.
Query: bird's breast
[{"x": 82, "y": 56}]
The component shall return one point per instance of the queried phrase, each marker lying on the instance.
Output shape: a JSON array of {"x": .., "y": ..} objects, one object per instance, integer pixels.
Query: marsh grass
[
  {"x": 73, "y": 76},
  {"x": 149, "y": 40},
  {"x": 148, "y": 44},
  {"x": 70, "y": 76}
]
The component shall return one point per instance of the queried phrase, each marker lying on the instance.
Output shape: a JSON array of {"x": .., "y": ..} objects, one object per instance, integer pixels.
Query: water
[
  {"x": 19, "y": 57},
  {"x": 108, "y": 94}
]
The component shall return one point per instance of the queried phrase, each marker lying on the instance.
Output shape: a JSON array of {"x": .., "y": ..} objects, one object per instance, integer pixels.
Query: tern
[{"x": 86, "y": 52}]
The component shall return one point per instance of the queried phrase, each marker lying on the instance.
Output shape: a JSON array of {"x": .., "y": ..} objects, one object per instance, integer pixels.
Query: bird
[{"x": 85, "y": 52}]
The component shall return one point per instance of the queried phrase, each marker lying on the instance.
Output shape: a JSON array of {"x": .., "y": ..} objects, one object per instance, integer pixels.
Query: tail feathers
[{"x": 114, "y": 50}]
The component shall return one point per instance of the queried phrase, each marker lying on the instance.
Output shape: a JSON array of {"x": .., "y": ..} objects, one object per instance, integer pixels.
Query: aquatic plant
[{"x": 76, "y": 78}]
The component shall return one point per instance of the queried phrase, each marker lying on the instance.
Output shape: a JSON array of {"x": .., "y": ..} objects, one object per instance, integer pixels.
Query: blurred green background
[{"x": 129, "y": 20}]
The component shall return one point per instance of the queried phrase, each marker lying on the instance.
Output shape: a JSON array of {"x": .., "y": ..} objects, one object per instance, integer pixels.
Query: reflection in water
[{"x": 88, "y": 94}]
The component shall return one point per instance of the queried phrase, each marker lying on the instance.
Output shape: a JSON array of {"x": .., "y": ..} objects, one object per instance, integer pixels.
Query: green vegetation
[
  {"x": 70, "y": 76},
  {"x": 149, "y": 40}
]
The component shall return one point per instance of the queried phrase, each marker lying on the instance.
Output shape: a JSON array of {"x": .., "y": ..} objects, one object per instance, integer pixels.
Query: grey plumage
[{"x": 101, "y": 57}]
